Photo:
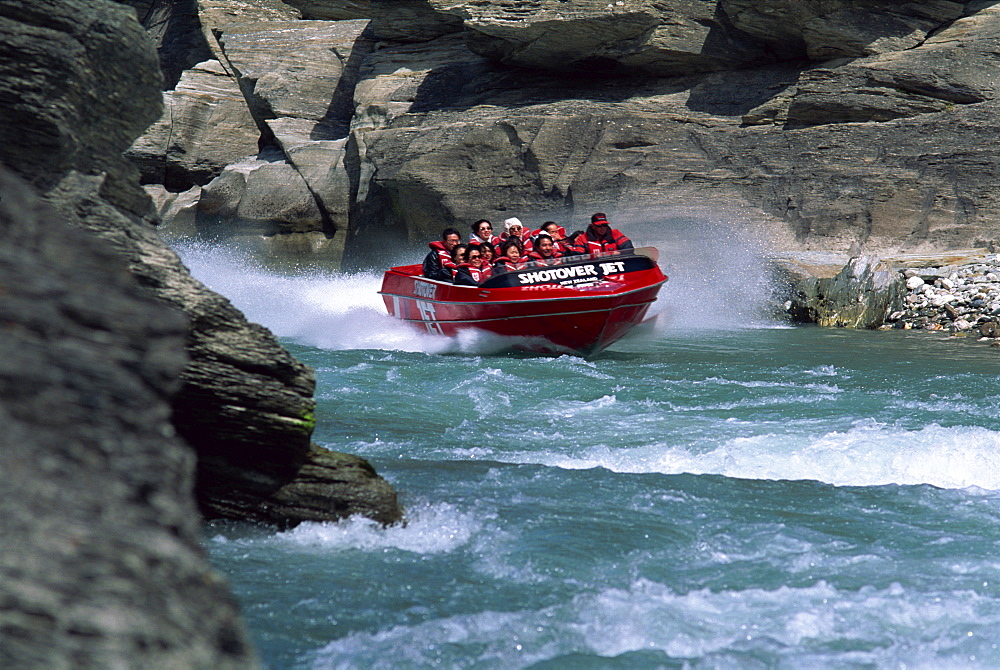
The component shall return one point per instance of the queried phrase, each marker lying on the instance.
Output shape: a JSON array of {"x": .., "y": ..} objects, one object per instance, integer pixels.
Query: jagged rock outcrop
[
  {"x": 862, "y": 295},
  {"x": 206, "y": 125},
  {"x": 656, "y": 38},
  {"x": 100, "y": 561},
  {"x": 825, "y": 123},
  {"x": 82, "y": 81},
  {"x": 821, "y": 30}
]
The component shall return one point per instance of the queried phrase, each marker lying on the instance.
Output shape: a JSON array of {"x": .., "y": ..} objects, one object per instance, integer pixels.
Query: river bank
[{"x": 957, "y": 292}]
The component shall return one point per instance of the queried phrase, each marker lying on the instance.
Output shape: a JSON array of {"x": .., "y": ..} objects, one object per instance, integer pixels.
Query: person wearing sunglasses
[
  {"x": 482, "y": 231},
  {"x": 473, "y": 272}
]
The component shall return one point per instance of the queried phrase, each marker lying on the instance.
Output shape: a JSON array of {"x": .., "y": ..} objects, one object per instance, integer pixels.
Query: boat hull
[{"x": 558, "y": 309}]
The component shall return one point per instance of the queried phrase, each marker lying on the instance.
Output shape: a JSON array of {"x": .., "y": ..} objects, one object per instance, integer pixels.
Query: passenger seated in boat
[
  {"x": 575, "y": 243},
  {"x": 545, "y": 251},
  {"x": 458, "y": 257},
  {"x": 482, "y": 231},
  {"x": 510, "y": 259},
  {"x": 514, "y": 229},
  {"x": 556, "y": 232},
  {"x": 438, "y": 264},
  {"x": 489, "y": 253},
  {"x": 600, "y": 237},
  {"x": 472, "y": 272}
]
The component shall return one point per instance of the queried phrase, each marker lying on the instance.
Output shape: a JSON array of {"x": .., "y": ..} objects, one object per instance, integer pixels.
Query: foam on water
[
  {"x": 868, "y": 454},
  {"x": 429, "y": 529},
  {"x": 334, "y": 311},
  {"x": 804, "y": 627}
]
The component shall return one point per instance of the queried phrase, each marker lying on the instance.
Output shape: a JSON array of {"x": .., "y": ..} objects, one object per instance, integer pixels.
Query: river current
[{"x": 720, "y": 491}]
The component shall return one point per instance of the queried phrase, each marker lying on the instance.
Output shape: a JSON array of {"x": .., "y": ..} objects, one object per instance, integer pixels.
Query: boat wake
[{"x": 711, "y": 287}]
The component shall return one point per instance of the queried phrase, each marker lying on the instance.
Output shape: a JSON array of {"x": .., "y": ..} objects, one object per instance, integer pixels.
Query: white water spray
[{"x": 715, "y": 282}]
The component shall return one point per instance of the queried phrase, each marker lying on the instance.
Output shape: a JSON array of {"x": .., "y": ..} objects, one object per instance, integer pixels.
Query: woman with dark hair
[
  {"x": 473, "y": 272},
  {"x": 511, "y": 257},
  {"x": 482, "y": 231},
  {"x": 489, "y": 253},
  {"x": 457, "y": 257}
]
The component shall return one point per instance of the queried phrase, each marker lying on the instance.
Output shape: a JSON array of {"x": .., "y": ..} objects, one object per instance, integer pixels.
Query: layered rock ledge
[{"x": 822, "y": 123}]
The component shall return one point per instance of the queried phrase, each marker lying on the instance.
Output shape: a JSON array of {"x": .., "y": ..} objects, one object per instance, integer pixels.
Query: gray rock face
[
  {"x": 244, "y": 404},
  {"x": 100, "y": 563},
  {"x": 866, "y": 151},
  {"x": 826, "y": 123},
  {"x": 862, "y": 295}
]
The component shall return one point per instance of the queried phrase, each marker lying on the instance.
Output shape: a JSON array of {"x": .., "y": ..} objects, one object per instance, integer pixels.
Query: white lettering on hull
[
  {"x": 573, "y": 275},
  {"x": 428, "y": 315},
  {"x": 558, "y": 274},
  {"x": 425, "y": 289}
]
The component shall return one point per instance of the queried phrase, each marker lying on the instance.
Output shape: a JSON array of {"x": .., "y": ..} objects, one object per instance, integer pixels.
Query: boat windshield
[
  {"x": 576, "y": 271},
  {"x": 648, "y": 252}
]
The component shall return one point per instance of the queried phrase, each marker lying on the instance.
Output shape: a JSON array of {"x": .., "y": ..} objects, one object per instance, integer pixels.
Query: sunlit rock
[
  {"x": 862, "y": 295},
  {"x": 206, "y": 125}
]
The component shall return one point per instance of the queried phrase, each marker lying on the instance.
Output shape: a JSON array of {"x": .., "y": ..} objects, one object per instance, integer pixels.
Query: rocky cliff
[
  {"x": 100, "y": 563},
  {"x": 821, "y": 124},
  {"x": 127, "y": 386}
]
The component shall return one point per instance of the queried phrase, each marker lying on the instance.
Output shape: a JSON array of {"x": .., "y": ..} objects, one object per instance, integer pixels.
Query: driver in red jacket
[{"x": 599, "y": 237}]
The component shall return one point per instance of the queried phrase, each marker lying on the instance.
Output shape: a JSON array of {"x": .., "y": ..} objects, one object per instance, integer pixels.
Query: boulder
[
  {"x": 657, "y": 38},
  {"x": 57, "y": 114},
  {"x": 861, "y": 295},
  {"x": 100, "y": 563},
  {"x": 822, "y": 30},
  {"x": 179, "y": 209}
]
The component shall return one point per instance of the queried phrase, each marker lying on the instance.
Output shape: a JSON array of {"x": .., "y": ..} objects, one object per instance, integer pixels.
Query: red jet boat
[{"x": 579, "y": 305}]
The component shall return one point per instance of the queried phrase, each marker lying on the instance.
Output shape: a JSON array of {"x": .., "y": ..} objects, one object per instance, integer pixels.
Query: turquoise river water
[{"x": 719, "y": 492}]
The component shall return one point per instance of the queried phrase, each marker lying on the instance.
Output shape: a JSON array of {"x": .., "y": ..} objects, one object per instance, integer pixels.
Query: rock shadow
[
  {"x": 336, "y": 121},
  {"x": 175, "y": 28},
  {"x": 735, "y": 93}
]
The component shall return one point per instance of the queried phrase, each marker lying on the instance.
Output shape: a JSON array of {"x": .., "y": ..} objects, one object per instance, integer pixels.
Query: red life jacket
[
  {"x": 478, "y": 274},
  {"x": 508, "y": 265},
  {"x": 542, "y": 260},
  {"x": 444, "y": 255},
  {"x": 617, "y": 241}
]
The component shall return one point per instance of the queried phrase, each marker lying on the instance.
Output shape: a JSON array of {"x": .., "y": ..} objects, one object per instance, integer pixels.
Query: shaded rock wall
[
  {"x": 245, "y": 404},
  {"x": 100, "y": 562}
]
